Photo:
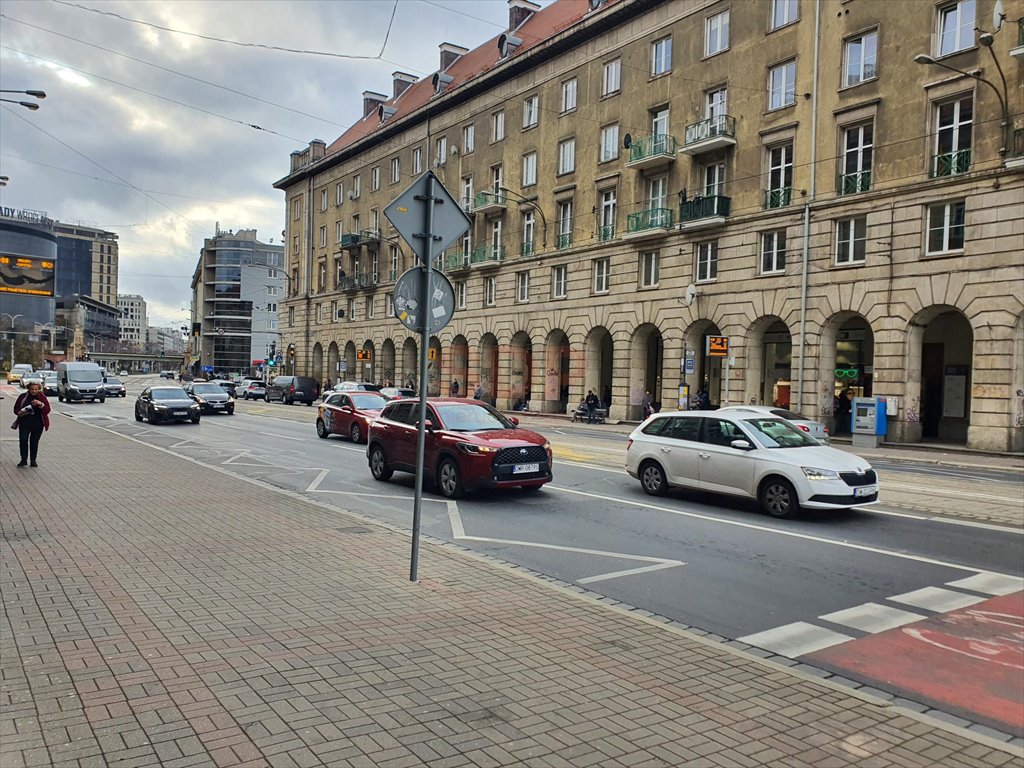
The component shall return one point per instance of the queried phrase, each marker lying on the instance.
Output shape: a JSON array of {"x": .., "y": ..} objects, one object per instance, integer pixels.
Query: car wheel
[
  {"x": 778, "y": 497},
  {"x": 231, "y": 411},
  {"x": 652, "y": 479},
  {"x": 195, "y": 419},
  {"x": 379, "y": 465},
  {"x": 321, "y": 429},
  {"x": 103, "y": 399},
  {"x": 138, "y": 416},
  {"x": 285, "y": 400},
  {"x": 449, "y": 480},
  {"x": 356, "y": 433},
  {"x": 60, "y": 397}
]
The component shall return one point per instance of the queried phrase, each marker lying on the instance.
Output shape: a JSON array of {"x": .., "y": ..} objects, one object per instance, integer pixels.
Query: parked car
[
  {"x": 158, "y": 404},
  {"x": 348, "y": 413},
  {"x": 17, "y": 371},
  {"x": 293, "y": 389},
  {"x": 254, "y": 390},
  {"x": 356, "y": 386},
  {"x": 210, "y": 397},
  {"x": 468, "y": 446},
  {"x": 227, "y": 385},
  {"x": 393, "y": 393},
  {"x": 33, "y": 377},
  {"x": 122, "y": 373},
  {"x": 746, "y": 454},
  {"x": 49, "y": 382},
  {"x": 114, "y": 387},
  {"x": 815, "y": 429},
  {"x": 167, "y": 375}
]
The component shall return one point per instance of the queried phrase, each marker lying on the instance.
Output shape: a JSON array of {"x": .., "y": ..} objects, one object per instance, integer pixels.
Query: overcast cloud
[{"x": 198, "y": 169}]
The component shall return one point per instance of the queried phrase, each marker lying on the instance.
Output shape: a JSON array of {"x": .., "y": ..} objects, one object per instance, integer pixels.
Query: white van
[{"x": 80, "y": 381}]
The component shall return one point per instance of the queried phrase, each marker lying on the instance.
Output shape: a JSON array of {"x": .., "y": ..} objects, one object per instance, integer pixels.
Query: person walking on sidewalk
[{"x": 33, "y": 412}]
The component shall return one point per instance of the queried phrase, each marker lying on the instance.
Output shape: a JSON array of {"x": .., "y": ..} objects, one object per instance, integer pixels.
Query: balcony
[
  {"x": 358, "y": 281},
  {"x": 489, "y": 202},
  {"x": 606, "y": 233},
  {"x": 487, "y": 255},
  {"x": 526, "y": 250},
  {"x": 1015, "y": 158},
  {"x": 951, "y": 163},
  {"x": 349, "y": 242},
  {"x": 778, "y": 198},
  {"x": 708, "y": 135},
  {"x": 1018, "y": 50},
  {"x": 456, "y": 260},
  {"x": 652, "y": 151},
  {"x": 369, "y": 236},
  {"x": 466, "y": 204},
  {"x": 644, "y": 225},
  {"x": 563, "y": 241},
  {"x": 704, "y": 212},
  {"x": 852, "y": 183}
]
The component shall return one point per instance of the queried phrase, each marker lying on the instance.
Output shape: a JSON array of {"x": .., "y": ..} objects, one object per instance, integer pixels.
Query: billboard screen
[{"x": 26, "y": 275}]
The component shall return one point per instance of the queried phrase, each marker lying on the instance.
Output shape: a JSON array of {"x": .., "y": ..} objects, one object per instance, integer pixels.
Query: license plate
[
  {"x": 217, "y": 405},
  {"x": 180, "y": 413},
  {"x": 867, "y": 490},
  {"x": 520, "y": 469}
]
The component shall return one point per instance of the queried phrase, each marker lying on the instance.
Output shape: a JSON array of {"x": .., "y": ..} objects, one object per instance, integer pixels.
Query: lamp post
[
  {"x": 523, "y": 201},
  {"x": 26, "y": 104},
  {"x": 12, "y": 318}
]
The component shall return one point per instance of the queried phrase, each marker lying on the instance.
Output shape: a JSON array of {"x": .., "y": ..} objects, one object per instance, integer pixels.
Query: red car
[
  {"x": 468, "y": 446},
  {"x": 348, "y": 413}
]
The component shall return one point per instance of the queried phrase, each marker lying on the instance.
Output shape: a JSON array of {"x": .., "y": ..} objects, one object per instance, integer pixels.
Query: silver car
[{"x": 815, "y": 429}]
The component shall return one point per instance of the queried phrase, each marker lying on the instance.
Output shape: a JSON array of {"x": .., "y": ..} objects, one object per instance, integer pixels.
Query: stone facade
[{"x": 863, "y": 233}]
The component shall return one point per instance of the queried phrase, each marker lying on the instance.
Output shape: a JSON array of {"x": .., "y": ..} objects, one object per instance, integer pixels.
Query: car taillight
[
  {"x": 803, "y": 427},
  {"x": 291, "y": 389},
  {"x": 826, "y": 431}
]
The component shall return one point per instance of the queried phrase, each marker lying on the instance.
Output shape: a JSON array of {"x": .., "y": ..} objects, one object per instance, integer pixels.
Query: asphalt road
[{"x": 709, "y": 562}]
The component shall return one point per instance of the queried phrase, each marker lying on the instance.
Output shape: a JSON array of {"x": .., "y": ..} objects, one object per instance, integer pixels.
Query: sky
[{"x": 139, "y": 146}]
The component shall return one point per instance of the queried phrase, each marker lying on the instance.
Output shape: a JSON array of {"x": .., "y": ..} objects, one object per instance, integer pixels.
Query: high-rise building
[
  {"x": 236, "y": 287},
  {"x": 88, "y": 259},
  {"x": 764, "y": 201},
  {"x": 164, "y": 341},
  {"x": 134, "y": 323},
  {"x": 28, "y": 253}
]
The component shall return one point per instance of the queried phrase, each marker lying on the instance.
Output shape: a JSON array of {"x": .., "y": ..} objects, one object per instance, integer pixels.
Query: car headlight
[
  {"x": 813, "y": 473},
  {"x": 194, "y": 407},
  {"x": 547, "y": 445},
  {"x": 231, "y": 400},
  {"x": 160, "y": 407},
  {"x": 200, "y": 400},
  {"x": 474, "y": 449}
]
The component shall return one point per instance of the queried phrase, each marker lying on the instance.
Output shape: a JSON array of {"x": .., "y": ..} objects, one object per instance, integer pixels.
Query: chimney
[
  {"x": 317, "y": 150},
  {"x": 519, "y": 11},
  {"x": 450, "y": 54},
  {"x": 371, "y": 101},
  {"x": 402, "y": 81}
]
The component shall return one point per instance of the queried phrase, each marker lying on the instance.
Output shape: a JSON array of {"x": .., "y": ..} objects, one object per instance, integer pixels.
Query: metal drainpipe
[{"x": 807, "y": 213}]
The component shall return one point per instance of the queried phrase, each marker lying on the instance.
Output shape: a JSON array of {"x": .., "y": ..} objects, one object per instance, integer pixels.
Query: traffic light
[
  {"x": 271, "y": 362},
  {"x": 291, "y": 352},
  {"x": 273, "y": 349}
]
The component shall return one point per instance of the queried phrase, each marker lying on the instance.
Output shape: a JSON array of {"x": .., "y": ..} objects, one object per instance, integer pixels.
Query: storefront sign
[{"x": 717, "y": 346}]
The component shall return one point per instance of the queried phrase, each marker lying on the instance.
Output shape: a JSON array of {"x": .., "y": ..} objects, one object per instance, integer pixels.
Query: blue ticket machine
[{"x": 869, "y": 422}]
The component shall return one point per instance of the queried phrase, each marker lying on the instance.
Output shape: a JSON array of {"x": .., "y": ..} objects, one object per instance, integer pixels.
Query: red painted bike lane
[{"x": 968, "y": 662}]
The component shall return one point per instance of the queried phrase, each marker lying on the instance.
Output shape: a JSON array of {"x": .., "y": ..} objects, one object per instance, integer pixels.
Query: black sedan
[
  {"x": 158, "y": 404},
  {"x": 210, "y": 397},
  {"x": 228, "y": 386},
  {"x": 114, "y": 387},
  {"x": 50, "y": 383}
]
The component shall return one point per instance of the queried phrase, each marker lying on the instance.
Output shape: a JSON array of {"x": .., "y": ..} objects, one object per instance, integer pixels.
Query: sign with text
[
  {"x": 363, "y": 354},
  {"x": 717, "y": 346},
  {"x": 26, "y": 275}
]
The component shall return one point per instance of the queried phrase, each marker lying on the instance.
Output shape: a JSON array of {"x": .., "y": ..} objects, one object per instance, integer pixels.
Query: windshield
[
  {"x": 207, "y": 389},
  {"x": 169, "y": 394},
  {"x": 85, "y": 377},
  {"x": 776, "y": 433},
  {"x": 472, "y": 418},
  {"x": 115, "y": 382},
  {"x": 368, "y": 401}
]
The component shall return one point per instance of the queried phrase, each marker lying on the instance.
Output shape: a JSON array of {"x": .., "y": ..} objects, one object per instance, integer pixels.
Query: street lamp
[
  {"x": 26, "y": 104},
  {"x": 12, "y": 318},
  {"x": 523, "y": 201}
]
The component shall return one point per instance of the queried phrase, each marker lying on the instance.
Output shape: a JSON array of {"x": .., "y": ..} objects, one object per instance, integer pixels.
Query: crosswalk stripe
[
  {"x": 990, "y": 583},
  {"x": 872, "y": 617},
  {"x": 796, "y": 639},
  {"x": 936, "y": 599}
]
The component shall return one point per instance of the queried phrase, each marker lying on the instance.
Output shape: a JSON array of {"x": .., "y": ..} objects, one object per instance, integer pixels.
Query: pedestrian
[
  {"x": 591, "y": 403},
  {"x": 647, "y": 405},
  {"x": 526, "y": 398},
  {"x": 703, "y": 400},
  {"x": 845, "y": 411},
  {"x": 33, "y": 412},
  {"x": 478, "y": 393},
  {"x": 454, "y": 389}
]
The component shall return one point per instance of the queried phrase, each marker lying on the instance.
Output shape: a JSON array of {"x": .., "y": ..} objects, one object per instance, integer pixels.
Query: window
[
  {"x": 609, "y": 143},
  {"x": 374, "y": 267},
  {"x": 529, "y": 226},
  {"x": 782, "y": 86},
  {"x": 323, "y": 236},
  {"x": 522, "y": 286},
  {"x": 858, "y": 147},
  {"x": 859, "y": 57},
  {"x": 467, "y": 194},
  {"x": 468, "y": 139},
  {"x": 661, "y": 56},
  {"x": 954, "y": 123},
  {"x": 565, "y": 224},
  {"x": 707, "y": 261},
  {"x": 338, "y": 231},
  {"x": 784, "y": 12},
  {"x": 441, "y": 151},
  {"x": 417, "y": 161},
  {"x": 339, "y": 193},
  {"x": 323, "y": 199},
  {"x": 490, "y": 289},
  {"x": 657, "y": 192},
  {"x": 297, "y": 208},
  {"x": 496, "y": 178},
  {"x": 319, "y": 313},
  {"x": 393, "y": 261},
  {"x": 559, "y": 278},
  {"x": 530, "y": 169},
  {"x": 600, "y": 270},
  {"x": 649, "y": 267},
  {"x": 295, "y": 244},
  {"x": 356, "y": 187},
  {"x": 716, "y": 33},
  {"x": 374, "y": 179},
  {"x": 351, "y": 309},
  {"x": 530, "y": 112},
  {"x": 369, "y": 307},
  {"x": 780, "y": 175},
  {"x": 496, "y": 239},
  {"x": 389, "y": 304},
  {"x": 291, "y": 315},
  {"x": 773, "y": 251},
  {"x": 498, "y": 125},
  {"x": 851, "y": 238},
  {"x": 716, "y": 105},
  {"x": 946, "y": 227},
  {"x": 567, "y": 156},
  {"x": 714, "y": 180},
  {"x": 956, "y": 27},
  {"x": 569, "y": 95},
  {"x": 659, "y": 122},
  {"x": 611, "y": 79},
  {"x": 608, "y": 205},
  {"x": 460, "y": 294},
  {"x": 396, "y": 170}
]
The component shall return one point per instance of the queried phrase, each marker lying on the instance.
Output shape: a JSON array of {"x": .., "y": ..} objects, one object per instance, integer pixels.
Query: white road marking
[
  {"x": 630, "y": 572},
  {"x": 776, "y": 531},
  {"x": 936, "y": 599},
  {"x": 796, "y": 639},
  {"x": 990, "y": 584},
  {"x": 456, "y": 520},
  {"x": 317, "y": 480},
  {"x": 872, "y": 617}
]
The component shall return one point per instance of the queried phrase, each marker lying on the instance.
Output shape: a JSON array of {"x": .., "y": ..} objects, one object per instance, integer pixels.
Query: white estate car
[
  {"x": 815, "y": 429},
  {"x": 745, "y": 454}
]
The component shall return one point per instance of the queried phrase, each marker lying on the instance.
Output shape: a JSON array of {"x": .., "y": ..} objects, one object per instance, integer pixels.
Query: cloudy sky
[{"x": 141, "y": 147}]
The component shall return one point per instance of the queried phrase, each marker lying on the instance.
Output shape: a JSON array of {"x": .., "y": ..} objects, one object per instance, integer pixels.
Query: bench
[{"x": 580, "y": 414}]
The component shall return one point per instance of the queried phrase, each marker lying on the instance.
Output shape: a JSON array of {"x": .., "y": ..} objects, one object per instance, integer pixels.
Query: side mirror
[
  {"x": 428, "y": 425},
  {"x": 514, "y": 420},
  {"x": 742, "y": 445}
]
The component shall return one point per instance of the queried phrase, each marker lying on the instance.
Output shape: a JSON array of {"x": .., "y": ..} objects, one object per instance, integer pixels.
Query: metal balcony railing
[
  {"x": 778, "y": 198},
  {"x": 720, "y": 125},
  {"x": 606, "y": 232},
  {"x": 564, "y": 240},
  {"x": 652, "y": 146},
  {"x": 489, "y": 198},
  {"x": 350, "y": 240},
  {"x": 456, "y": 260},
  {"x": 951, "y": 163},
  {"x": 484, "y": 254},
  {"x": 852, "y": 183},
  {"x": 466, "y": 203},
  {"x": 704, "y": 207},
  {"x": 652, "y": 218},
  {"x": 370, "y": 235},
  {"x": 526, "y": 249}
]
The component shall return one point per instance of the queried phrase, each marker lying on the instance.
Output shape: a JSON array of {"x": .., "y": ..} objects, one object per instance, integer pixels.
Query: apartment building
[
  {"x": 88, "y": 259},
  {"x": 774, "y": 202},
  {"x": 134, "y": 322}
]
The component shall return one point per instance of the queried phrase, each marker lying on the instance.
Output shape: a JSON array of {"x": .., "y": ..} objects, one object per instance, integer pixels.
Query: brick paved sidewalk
[{"x": 159, "y": 613}]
